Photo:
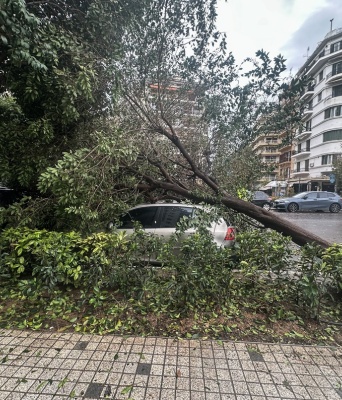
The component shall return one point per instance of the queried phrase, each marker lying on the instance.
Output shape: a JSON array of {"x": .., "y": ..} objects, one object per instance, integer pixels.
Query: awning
[
  {"x": 274, "y": 184},
  {"x": 264, "y": 188}
]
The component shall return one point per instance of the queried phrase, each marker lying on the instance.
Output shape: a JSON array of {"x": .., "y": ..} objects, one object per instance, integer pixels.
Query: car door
[
  {"x": 323, "y": 201},
  {"x": 169, "y": 216},
  {"x": 309, "y": 202}
]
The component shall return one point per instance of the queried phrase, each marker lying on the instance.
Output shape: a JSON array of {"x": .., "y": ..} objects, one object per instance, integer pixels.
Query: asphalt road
[{"x": 326, "y": 225}]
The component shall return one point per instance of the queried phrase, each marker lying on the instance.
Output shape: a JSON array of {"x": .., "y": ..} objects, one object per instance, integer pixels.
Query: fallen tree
[{"x": 183, "y": 110}]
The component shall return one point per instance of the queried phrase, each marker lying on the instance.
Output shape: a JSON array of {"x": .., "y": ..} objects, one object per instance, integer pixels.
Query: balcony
[
  {"x": 285, "y": 158},
  {"x": 334, "y": 77},
  {"x": 306, "y": 95},
  {"x": 302, "y": 134},
  {"x": 332, "y": 100},
  {"x": 300, "y": 171},
  {"x": 301, "y": 152},
  {"x": 307, "y": 112},
  {"x": 323, "y": 57}
]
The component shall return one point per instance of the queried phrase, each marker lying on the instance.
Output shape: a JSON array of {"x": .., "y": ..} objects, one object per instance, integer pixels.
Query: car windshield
[
  {"x": 260, "y": 196},
  {"x": 300, "y": 195}
]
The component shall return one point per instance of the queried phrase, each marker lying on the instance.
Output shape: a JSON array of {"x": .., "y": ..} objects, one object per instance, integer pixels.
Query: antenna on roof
[
  {"x": 307, "y": 52},
  {"x": 331, "y": 24}
]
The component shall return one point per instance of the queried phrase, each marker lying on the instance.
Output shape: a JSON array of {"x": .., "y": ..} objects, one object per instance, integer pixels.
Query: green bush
[
  {"x": 332, "y": 258},
  {"x": 199, "y": 275},
  {"x": 51, "y": 257},
  {"x": 97, "y": 261},
  {"x": 263, "y": 250}
]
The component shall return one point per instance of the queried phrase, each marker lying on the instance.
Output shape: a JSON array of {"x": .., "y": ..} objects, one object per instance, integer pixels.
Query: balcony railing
[
  {"x": 326, "y": 52},
  {"x": 285, "y": 158},
  {"x": 305, "y": 150},
  {"x": 334, "y": 75},
  {"x": 300, "y": 170},
  {"x": 308, "y": 92},
  {"x": 318, "y": 62}
]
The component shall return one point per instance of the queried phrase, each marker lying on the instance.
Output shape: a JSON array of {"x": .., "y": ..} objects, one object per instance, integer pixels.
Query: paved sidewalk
[{"x": 50, "y": 365}]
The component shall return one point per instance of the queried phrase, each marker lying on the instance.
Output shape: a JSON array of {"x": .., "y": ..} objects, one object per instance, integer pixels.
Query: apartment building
[
  {"x": 319, "y": 142},
  {"x": 267, "y": 148},
  {"x": 285, "y": 158}
]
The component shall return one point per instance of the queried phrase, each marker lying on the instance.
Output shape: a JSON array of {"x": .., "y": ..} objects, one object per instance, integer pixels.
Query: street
[{"x": 326, "y": 225}]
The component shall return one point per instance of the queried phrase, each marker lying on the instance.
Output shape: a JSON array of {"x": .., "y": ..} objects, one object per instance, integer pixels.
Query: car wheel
[
  {"x": 266, "y": 206},
  {"x": 292, "y": 207},
  {"x": 335, "y": 208}
]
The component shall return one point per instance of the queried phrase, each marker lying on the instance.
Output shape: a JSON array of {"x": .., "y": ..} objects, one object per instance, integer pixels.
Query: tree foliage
[
  {"x": 55, "y": 78},
  {"x": 183, "y": 110}
]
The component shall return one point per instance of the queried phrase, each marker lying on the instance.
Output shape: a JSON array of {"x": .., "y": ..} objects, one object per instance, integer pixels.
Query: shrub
[
  {"x": 332, "y": 258},
  {"x": 49, "y": 256},
  {"x": 263, "y": 250},
  {"x": 98, "y": 260}
]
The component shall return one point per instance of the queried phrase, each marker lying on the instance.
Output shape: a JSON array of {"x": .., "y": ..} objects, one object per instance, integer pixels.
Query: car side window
[
  {"x": 330, "y": 194},
  {"x": 170, "y": 216},
  {"x": 146, "y": 216},
  {"x": 311, "y": 196},
  {"x": 323, "y": 195}
]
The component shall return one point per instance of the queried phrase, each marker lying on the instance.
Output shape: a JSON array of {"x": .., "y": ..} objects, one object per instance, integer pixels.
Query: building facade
[
  {"x": 267, "y": 148},
  {"x": 285, "y": 159},
  {"x": 319, "y": 142}
]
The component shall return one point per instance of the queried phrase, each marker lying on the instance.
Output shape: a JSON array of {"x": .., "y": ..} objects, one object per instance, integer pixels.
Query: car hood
[{"x": 284, "y": 199}]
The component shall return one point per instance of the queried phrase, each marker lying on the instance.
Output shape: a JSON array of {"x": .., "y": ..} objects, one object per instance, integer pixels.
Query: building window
[
  {"x": 307, "y": 165},
  {"x": 270, "y": 140},
  {"x": 337, "y": 91},
  {"x": 298, "y": 166},
  {"x": 327, "y": 159},
  {"x": 269, "y": 159},
  {"x": 337, "y": 68},
  {"x": 332, "y": 135},
  {"x": 308, "y": 125},
  {"x": 335, "y": 47},
  {"x": 319, "y": 97},
  {"x": 333, "y": 112},
  {"x": 320, "y": 76}
]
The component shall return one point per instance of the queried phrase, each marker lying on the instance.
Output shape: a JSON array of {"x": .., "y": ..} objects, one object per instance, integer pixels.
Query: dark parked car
[
  {"x": 7, "y": 196},
  {"x": 261, "y": 199},
  {"x": 310, "y": 201}
]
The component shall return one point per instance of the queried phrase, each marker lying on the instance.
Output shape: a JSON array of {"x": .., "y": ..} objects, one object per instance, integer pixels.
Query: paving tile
[
  {"x": 255, "y": 389},
  {"x": 240, "y": 388},
  {"x": 40, "y": 361},
  {"x": 270, "y": 390},
  {"x": 153, "y": 393}
]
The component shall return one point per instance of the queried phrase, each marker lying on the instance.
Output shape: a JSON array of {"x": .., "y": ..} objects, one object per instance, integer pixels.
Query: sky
[{"x": 292, "y": 28}]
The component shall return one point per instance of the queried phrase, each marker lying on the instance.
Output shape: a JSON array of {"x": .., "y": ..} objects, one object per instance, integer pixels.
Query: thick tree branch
[{"x": 269, "y": 219}]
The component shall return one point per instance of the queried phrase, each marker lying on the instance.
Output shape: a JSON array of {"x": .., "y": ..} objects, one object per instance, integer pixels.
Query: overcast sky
[{"x": 286, "y": 27}]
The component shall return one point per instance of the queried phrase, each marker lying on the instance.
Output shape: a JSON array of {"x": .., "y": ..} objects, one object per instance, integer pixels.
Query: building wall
[{"x": 313, "y": 167}]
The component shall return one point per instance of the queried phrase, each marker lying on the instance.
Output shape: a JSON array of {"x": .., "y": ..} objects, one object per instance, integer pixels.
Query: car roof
[{"x": 167, "y": 205}]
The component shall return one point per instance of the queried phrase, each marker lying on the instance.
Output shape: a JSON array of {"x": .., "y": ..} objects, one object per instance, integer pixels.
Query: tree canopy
[{"x": 106, "y": 103}]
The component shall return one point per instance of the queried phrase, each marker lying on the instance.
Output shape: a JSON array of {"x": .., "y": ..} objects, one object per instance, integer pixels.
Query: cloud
[
  {"x": 288, "y": 5},
  {"x": 311, "y": 32}
]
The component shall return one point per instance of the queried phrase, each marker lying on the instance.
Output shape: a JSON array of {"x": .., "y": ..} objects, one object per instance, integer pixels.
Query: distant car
[
  {"x": 161, "y": 220},
  {"x": 7, "y": 196},
  {"x": 261, "y": 199},
  {"x": 310, "y": 201}
]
